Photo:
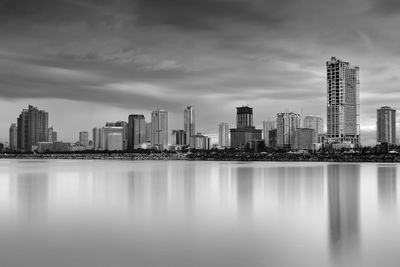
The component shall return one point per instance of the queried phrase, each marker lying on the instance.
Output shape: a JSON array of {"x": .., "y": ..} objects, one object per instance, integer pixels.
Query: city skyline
[{"x": 131, "y": 57}]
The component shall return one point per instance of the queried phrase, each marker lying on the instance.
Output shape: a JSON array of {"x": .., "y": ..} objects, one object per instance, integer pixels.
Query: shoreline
[{"x": 215, "y": 156}]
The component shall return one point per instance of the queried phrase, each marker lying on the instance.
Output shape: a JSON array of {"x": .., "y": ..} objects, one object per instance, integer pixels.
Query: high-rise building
[
  {"x": 148, "y": 132},
  {"x": 343, "y": 102},
  {"x": 223, "y": 135},
  {"x": 304, "y": 138},
  {"x": 178, "y": 138},
  {"x": 13, "y": 137},
  {"x": 189, "y": 122},
  {"x": 50, "y": 133},
  {"x": 268, "y": 126},
  {"x": 199, "y": 141},
  {"x": 32, "y": 128},
  {"x": 286, "y": 125},
  {"x": 316, "y": 123},
  {"x": 245, "y": 131},
  {"x": 159, "y": 129},
  {"x": 112, "y": 138},
  {"x": 125, "y": 131},
  {"x": 136, "y": 131},
  {"x": 84, "y": 139},
  {"x": 386, "y": 125},
  {"x": 96, "y": 138}
]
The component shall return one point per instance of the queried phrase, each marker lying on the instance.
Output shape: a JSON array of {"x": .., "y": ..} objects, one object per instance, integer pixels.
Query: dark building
[
  {"x": 32, "y": 128},
  {"x": 244, "y": 131},
  {"x": 179, "y": 138},
  {"x": 1, "y": 147},
  {"x": 136, "y": 131},
  {"x": 273, "y": 134}
]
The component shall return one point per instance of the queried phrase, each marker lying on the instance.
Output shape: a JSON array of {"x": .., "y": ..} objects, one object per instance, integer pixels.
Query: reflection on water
[
  {"x": 344, "y": 209},
  {"x": 387, "y": 188},
  {"x": 112, "y": 213}
]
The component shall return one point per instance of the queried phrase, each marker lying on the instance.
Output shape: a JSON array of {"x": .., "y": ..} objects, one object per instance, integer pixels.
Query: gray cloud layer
[{"x": 212, "y": 54}]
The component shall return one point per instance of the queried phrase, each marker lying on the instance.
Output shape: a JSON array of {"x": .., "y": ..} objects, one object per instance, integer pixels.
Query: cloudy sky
[{"x": 91, "y": 61}]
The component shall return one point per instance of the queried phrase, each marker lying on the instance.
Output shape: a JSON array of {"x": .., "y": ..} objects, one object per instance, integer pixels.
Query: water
[{"x": 175, "y": 213}]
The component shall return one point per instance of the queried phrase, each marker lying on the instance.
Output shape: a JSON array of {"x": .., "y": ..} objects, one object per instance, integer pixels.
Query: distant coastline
[{"x": 216, "y": 156}]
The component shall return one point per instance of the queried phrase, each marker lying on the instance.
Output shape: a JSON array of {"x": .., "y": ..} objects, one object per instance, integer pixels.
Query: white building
[{"x": 223, "y": 135}]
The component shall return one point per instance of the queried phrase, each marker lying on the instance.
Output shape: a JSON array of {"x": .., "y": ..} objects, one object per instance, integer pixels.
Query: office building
[
  {"x": 50, "y": 135},
  {"x": 96, "y": 138},
  {"x": 112, "y": 138},
  {"x": 84, "y": 139},
  {"x": 223, "y": 135},
  {"x": 316, "y": 123},
  {"x": 125, "y": 131},
  {"x": 244, "y": 131},
  {"x": 304, "y": 138},
  {"x": 55, "y": 136},
  {"x": 148, "y": 132},
  {"x": 386, "y": 125},
  {"x": 159, "y": 129},
  {"x": 178, "y": 138},
  {"x": 199, "y": 141},
  {"x": 189, "y": 122},
  {"x": 272, "y": 138},
  {"x": 268, "y": 126},
  {"x": 286, "y": 125},
  {"x": 13, "y": 137},
  {"x": 343, "y": 103},
  {"x": 32, "y": 128},
  {"x": 136, "y": 131}
]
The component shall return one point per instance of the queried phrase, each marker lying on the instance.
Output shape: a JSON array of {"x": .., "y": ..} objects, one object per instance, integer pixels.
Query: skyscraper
[
  {"x": 286, "y": 125},
  {"x": 223, "y": 135},
  {"x": 189, "y": 122},
  {"x": 112, "y": 138},
  {"x": 178, "y": 138},
  {"x": 244, "y": 131},
  {"x": 316, "y": 123},
  {"x": 159, "y": 128},
  {"x": 13, "y": 137},
  {"x": 50, "y": 133},
  {"x": 32, "y": 128},
  {"x": 84, "y": 139},
  {"x": 386, "y": 125},
  {"x": 343, "y": 102},
  {"x": 136, "y": 131},
  {"x": 268, "y": 126},
  {"x": 148, "y": 132},
  {"x": 96, "y": 138}
]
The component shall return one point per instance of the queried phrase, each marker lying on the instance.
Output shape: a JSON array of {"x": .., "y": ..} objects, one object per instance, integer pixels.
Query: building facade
[
  {"x": 159, "y": 129},
  {"x": 189, "y": 122},
  {"x": 84, "y": 139},
  {"x": 223, "y": 135},
  {"x": 136, "y": 131},
  {"x": 96, "y": 138},
  {"x": 199, "y": 141},
  {"x": 343, "y": 102},
  {"x": 13, "y": 137},
  {"x": 316, "y": 123},
  {"x": 244, "y": 131},
  {"x": 32, "y": 128},
  {"x": 268, "y": 126},
  {"x": 386, "y": 125},
  {"x": 178, "y": 138},
  {"x": 286, "y": 125},
  {"x": 304, "y": 138}
]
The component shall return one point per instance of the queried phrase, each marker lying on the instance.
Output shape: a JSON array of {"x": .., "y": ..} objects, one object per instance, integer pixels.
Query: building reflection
[
  {"x": 344, "y": 211},
  {"x": 244, "y": 187},
  {"x": 30, "y": 193},
  {"x": 387, "y": 188}
]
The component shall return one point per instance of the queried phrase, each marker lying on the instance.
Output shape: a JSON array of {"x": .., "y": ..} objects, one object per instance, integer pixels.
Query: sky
[{"x": 87, "y": 62}]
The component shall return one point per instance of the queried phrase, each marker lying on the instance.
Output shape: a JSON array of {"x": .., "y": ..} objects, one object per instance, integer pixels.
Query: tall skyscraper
[
  {"x": 32, "y": 128},
  {"x": 244, "y": 131},
  {"x": 96, "y": 138},
  {"x": 148, "y": 132},
  {"x": 244, "y": 117},
  {"x": 223, "y": 135},
  {"x": 13, "y": 137},
  {"x": 136, "y": 131},
  {"x": 286, "y": 125},
  {"x": 189, "y": 122},
  {"x": 386, "y": 125},
  {"x": 159, "y": 128},
  {"x": 343, "y": 102},
  {"x": 50, "y": 133},
  {"x": 84, "y": 139},
  {"x": 268, "y": 126}
]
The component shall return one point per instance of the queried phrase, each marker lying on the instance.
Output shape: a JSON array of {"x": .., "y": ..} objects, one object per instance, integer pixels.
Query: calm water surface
[{"x": 174, "y": 213}]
